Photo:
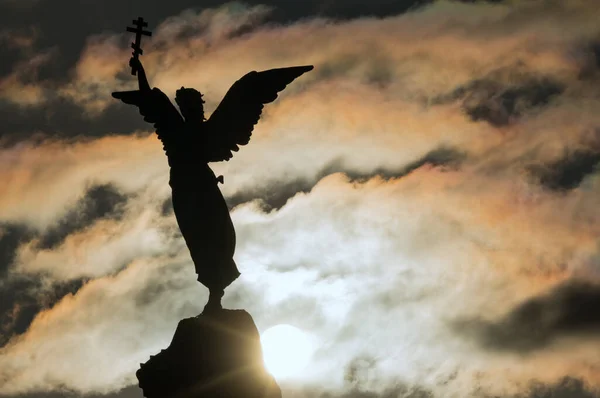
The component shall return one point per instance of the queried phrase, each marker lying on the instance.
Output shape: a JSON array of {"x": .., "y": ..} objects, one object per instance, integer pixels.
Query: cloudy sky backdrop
[{"x": 424, "y": 203}]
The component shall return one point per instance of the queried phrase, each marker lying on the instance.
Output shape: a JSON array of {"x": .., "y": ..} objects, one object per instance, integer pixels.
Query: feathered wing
[
  {"x": 231, "y": 124},
  {"x": 157, "y": 109}
]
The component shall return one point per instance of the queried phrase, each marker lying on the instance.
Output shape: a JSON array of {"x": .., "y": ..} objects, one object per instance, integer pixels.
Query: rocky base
[{"x": 216, "y": 354}]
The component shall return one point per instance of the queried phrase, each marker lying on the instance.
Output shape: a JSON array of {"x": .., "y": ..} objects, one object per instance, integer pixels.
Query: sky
[{"x": 423, "y": 204}]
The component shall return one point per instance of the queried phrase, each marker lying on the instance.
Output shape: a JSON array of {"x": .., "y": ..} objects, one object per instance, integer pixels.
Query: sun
[{"x": 286, "y": 350}]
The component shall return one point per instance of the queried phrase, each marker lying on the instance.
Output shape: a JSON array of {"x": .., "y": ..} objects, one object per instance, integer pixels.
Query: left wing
[{"x": 231, "y": 124}]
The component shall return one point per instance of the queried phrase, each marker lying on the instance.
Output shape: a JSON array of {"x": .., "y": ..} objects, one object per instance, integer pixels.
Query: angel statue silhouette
[{"x": 191, "y": 142}]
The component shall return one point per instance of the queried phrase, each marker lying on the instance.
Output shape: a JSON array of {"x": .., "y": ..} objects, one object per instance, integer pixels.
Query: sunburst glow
[{"x": 286, "y": 350}]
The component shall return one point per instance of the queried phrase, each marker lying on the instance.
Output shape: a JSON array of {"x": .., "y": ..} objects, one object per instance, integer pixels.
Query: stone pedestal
[{"x": 216, "y": 354}]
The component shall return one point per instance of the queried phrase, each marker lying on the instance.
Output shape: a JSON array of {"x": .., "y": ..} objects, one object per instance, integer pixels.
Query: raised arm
[
  {"x": 136, "y": 64},
  {"x": 155, "y": 106}
]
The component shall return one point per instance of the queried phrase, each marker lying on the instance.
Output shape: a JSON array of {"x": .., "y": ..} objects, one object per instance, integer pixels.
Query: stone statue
[
  {"x": 217, "y": 353},
  {"x": 191, "y": 142}
]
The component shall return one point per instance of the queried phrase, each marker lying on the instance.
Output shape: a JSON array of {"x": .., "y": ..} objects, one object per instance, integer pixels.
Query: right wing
[
  {"x": 232, "y": 123},
  {"x": 156, "y": 108}
]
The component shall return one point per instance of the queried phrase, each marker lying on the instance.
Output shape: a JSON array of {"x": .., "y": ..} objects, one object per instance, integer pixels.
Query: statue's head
[{"x": 190, "y": 103}]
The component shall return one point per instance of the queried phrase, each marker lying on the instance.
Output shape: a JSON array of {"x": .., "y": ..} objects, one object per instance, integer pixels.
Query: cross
[{"x": 140, "y": 24}]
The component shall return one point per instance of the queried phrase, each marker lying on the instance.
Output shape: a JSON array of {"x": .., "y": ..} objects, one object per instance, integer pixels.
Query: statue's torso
[
  {"x": 185, "y": 154},
  {"x": 190, "y": 174}
]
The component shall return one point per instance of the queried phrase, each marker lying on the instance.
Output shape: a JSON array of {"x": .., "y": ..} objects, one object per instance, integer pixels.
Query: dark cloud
[
  {"x": 567, "y": 172},
  {"x": 568, "y": 387},
  {"x": 276, "y": 194},
  {"x": 595, "y": 50},
  {"x": 17, "y": 308},
  {"x": 61, "y": 118},
  {"x": 166, "y": 208},
  {"x": 22, "y": 298},
  {"x": 100, "y": 201},
  {"x": 15, "y": 45},
  {"x": 570, "y": 308},
  {"x": 9, "y": 56},
  {"x": 589, "y": 55},
  {"x": 273, "y": 196},
  {"x": 503, "y": 96},
  {"x": 11, "y": 237},
  {"x": 443, "y": 156},
  {"x": 498, "y": 105}
]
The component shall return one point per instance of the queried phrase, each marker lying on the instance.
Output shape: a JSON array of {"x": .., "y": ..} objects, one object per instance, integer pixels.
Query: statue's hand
[{"x": 135, "y": 63}]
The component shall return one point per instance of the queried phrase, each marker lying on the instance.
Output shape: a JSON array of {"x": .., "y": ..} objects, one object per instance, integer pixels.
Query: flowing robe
[{"x": 202, "y": 214}]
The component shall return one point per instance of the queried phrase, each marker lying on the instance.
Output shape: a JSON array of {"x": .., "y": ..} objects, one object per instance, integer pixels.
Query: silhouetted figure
[
  {"x": 218, "y": 353},
  {"x": 191, "y": 142}
]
